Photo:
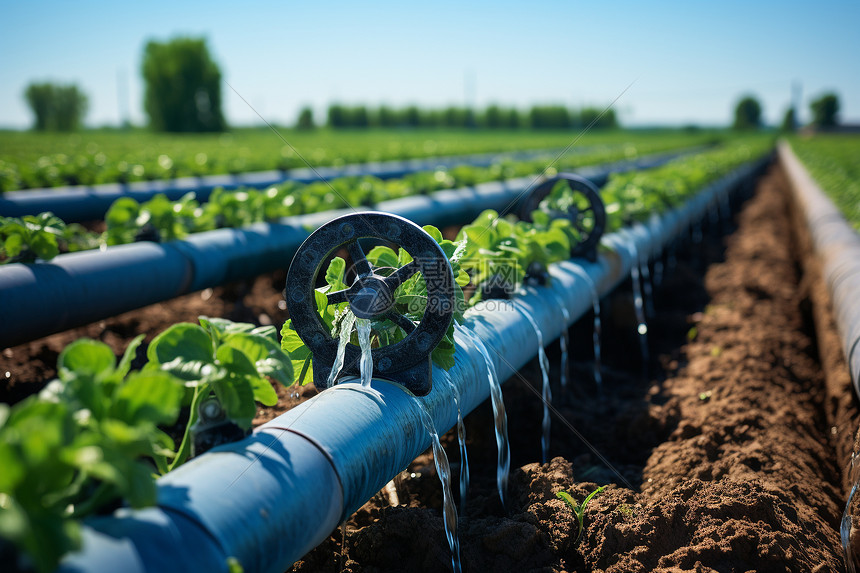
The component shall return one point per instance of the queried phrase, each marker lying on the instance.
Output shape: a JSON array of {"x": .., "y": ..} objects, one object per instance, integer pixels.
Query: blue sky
[{"x": 690, "y": 60}]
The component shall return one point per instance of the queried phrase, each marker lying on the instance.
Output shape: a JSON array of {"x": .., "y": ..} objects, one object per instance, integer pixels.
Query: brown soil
[{"x": 729, "y": 457}]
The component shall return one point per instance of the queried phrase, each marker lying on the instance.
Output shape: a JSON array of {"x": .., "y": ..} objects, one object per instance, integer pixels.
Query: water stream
[
  {"x": 546, "y": 394},
  {"x": 645, "y": 271},
  {"x": 500, "y": 418},
  {"x": 345, "y": 334},
  {"x": 461, "y": 439},
  {"x": 362, "y": 325},
  {"x": 443, "y": 470},
  {"x": 564, "y": 341},
  {"x": 596, "y": 333},
  {"x": 642, "y": 325}
]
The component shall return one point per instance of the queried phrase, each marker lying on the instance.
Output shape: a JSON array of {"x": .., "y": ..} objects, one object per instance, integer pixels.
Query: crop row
[
  {"x": 93, "y": 436},
  {"x": 160, "y": 219},
  {"x": 30, "y": 160},
  {"x": 834, "y": 162},
  {"x": 493, "y": 248}
]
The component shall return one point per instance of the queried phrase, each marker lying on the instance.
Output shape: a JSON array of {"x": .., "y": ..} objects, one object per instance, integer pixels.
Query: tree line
[
  {"x": 824, "y": 111},
  {"x": 340, "y": 116}
]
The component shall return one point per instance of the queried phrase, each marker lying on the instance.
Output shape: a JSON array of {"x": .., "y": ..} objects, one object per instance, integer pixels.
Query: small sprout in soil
[
  {"x": 705, "y": 396},
  {"x": 716, "y": 351},
  {"x": 692, "y": 334},
  {"x": 626, "y": 511},
  {"x": 578, "y": 510}
]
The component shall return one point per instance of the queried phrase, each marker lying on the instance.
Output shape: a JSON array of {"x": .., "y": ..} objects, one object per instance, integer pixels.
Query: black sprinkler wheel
[
  {"x": 587, "y": 212},
  {"x": 371, "y": 296}
]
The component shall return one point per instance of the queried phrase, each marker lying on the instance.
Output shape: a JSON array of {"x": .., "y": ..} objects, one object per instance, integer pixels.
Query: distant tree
[
  {"x": 601, "y": 119},
  {"x": 512, "y": 119},
  {"x": 387, "y": 117},
  {"x": 412, "y": 116},
  {"x": 358, "y": 117},
  {"x": 824, "y": 110},
  {"x": 306, "y": 119},
  {"x": 431, "y": 118},
  {"x": 789, "y": 120},
  {"x": 183, "y": 86},
  {"x": 336, "y": 116},
  {"x": 56, "y": 107},
  {"x": 549, "y": 117},
  {"x": 747, "y": 113},
  {"x": 492, "y": 117}
]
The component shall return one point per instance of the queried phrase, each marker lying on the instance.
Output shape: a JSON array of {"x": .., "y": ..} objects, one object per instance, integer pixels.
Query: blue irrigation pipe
[
  {"x": 79, "y": 203},
  {"x": 79, "y": 288},
  {"x": 267, "y": 500}
]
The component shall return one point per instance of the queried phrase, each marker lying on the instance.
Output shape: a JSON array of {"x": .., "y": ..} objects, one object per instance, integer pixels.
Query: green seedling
[
  {"x": 578, "y": 510},
  {"x": 626, "y": 511}
]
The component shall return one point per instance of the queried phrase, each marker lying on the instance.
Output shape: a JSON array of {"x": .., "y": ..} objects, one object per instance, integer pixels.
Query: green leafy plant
[
  {"x": 90, "y": 438},
  {"x": 578, "y": 509},
  {"x": 158, "y": 219},
  {"x": 93, "y": 437},
  {"x": 504, "y": 250},
  {"x": 230, "y": 359},
  {"x": 31, "y": 237}
]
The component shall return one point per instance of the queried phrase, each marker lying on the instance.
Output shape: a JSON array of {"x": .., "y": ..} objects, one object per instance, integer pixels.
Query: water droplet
[
  {"x": 642, "y": 329},
  {"x": 282, "y": 304},
  {"x": 9, "y": 375}
]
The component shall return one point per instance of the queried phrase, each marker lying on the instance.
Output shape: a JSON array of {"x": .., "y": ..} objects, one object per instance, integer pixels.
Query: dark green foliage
[
  {"x": 412, "y": 116},
  {"x": 56, "y": 107},
  {"x": 550, "y": 117},
  {"x": 747, "y": 114},
  {"x": 306, "y": 119},
  {"x": 493, "y": 116},
  {"x": 183, "y": 86},
  {"x": 789, "y": 121},
  {"x": 598, "y": 117},
  {"x": 824, "y": 110}
]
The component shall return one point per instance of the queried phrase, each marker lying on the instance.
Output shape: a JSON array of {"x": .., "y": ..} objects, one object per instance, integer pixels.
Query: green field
[
  {"x": 834, "y": 162},
  {"x": 29, "y": 159}
]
